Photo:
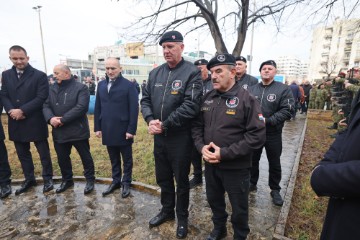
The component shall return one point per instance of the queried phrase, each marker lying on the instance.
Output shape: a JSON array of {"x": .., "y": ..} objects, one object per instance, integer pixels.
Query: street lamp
[{"x": 37, "y": 8}]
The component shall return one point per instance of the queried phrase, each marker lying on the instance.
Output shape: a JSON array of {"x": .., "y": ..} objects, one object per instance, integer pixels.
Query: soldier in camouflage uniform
[
  {"x": 321, "y": 95},
  {"x": 312, "y": 97}
]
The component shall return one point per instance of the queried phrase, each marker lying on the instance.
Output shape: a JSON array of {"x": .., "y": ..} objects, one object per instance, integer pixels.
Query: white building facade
[{"x": 334, "y": 49}]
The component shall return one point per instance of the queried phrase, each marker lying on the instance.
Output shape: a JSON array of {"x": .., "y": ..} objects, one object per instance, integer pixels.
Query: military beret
[
  {"x": 268, "y": 62},
  {"x": 172, "y": 36},
  {"x": 201, "y": 62},
  {"x": 221, "y": 59},
  {"x": 240, "y": 58}
]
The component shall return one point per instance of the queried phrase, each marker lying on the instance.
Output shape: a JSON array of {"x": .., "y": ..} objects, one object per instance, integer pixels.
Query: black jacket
[
  {"x": 247, "y": 81},
  {"x": 172, "y": 96},
  {"x": 70, "y": 101},
  {"x": 277, "y": 103},
  {"x": 231, "y": 120}
]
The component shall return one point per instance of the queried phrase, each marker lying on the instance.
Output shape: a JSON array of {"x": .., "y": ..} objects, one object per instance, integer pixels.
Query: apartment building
[
  {"x": 292, "y": 68},
  {"x": 334, "y": 49}
]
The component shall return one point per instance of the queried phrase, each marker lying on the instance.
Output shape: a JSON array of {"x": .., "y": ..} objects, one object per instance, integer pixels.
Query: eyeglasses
[{"x": 110, "y": 68}]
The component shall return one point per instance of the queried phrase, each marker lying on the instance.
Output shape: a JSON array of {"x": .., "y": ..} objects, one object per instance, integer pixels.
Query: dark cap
[
  {"x": 268, "y": 62},
  {"x": 201, "y": 62},
  {"x": 172, "y": 36},
  {"x": 221, "y": 59},
  {"x": 240, "y": 58}
]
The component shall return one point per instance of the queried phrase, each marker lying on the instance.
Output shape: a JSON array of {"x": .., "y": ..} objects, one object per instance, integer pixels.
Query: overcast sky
[{"x": 74, "y": 28}]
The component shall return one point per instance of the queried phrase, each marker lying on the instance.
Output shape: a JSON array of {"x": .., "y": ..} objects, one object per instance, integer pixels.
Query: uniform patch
[
  {"x": 245, "y": 86},
  {"x": 232, "y": 102},
  {"x": 231, "y": 111},
  {"x": 158, "y": 84},
  {"x": 205, "y": 109},
  {"x": 220, "y": 58},
  {"x": 176, "y": 85},
  {"x": 271, "y": 97},
  {"x": 208, "y": 102},
  {"x": 261, "y": 117}
]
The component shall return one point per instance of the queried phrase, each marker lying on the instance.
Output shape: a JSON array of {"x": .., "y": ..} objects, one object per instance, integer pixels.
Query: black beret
[
  {"x": 268, "y": 62},
  {"x": 240, "y": 58},
  {"x": 172, "y": 36},
  {"x": 201, "y": 62},
  {"x": 221, "y": 59}
]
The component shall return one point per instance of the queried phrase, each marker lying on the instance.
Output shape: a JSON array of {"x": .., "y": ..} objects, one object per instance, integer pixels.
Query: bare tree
[
  {"x": 329, "y": 66},
  {"x": 228, "y": 17}
]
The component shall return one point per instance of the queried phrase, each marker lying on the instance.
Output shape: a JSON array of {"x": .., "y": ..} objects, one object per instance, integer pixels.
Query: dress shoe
[
  {"x": 276, "y": 197},
  {"x": 89, "y": 187},
  {"x": 26, "y": 185},
  {"x": 217, "y": 234},
  {"x": 111, "y": 188},
  {"x": 196, "y": 181},
  {"x": 181, "y": 230},
  {"x": 65, "y": 185},
  {"x": 125, "y": 191},
  {"x": 48, "y": 185},
  {"x": 5, "y": 191},
  {"x": 161, "y": 218}
]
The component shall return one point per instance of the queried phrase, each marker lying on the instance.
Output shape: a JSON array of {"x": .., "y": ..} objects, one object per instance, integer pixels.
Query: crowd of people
[{"x": 206, "y": 111}]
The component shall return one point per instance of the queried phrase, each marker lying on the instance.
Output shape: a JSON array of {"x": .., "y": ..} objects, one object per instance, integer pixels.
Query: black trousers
[
  {"x": 115, "y": 153},
  {"x": 5, "y": 171},
  {"x": 236, "y": 184},
  {"x": 63, "y": 151},
  {"x": 273, "y": 147},
  {"x": 27, "y": 164},
  {"x": 172, "y": 159},
  {"x": 196, "y": 161}
]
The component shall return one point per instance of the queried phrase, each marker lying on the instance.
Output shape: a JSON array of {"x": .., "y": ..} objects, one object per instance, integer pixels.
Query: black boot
[
  {"x": 25, "y": 186},
  {"x": 5, "y": 191},
  {"x": 334, "y": 126},
  {"x": 65, "y": 185}
]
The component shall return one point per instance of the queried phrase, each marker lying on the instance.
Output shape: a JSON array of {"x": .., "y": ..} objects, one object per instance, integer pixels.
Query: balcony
[
  {"x": 347, "y": 49},
  {"x": 349, "y": 40},
  {"x": 325, "y": 54},
  {"x": 346, "y": 58}
]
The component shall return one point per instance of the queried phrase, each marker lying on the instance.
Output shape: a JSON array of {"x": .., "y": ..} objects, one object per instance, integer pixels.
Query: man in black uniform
[
  {"x": 227, "y": 132},
  {"x": 169, "y": 103},
  {"x": 5, "y": 171},
  {"x": 195, "y": 155},
  {"x": 277, "y": 103},
  {"x": 23, "y": 92},
  {"x": 206, "y": 78},
  {"x": 245, "y": 80}
]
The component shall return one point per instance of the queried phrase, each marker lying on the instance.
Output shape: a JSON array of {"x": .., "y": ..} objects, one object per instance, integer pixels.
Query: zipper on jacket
[
  {"x": 262, "y": 96},
  {"x": 162, "y": 103},
  {"x": 65, "y": 98},
  {"x": 192, "y": 92}
]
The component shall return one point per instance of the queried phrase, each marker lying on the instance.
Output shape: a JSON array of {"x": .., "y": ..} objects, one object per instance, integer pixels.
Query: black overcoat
[{"x": 29, "y": 94}]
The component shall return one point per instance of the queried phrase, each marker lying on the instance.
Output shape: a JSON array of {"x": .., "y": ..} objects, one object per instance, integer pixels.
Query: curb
[
  {"x": 281, "y": 223},
  {"x": 136, "y": 185}
]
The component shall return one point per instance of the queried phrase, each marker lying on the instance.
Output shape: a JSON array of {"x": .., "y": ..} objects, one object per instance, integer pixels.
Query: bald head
[
  {"x": 113, "y": 68},
  {"x": 62, "y": 72}
]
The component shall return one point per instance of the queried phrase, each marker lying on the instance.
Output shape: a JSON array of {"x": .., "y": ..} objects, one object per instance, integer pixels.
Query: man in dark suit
[
  {"x": 116, "y": 115},
  {"x": 65, "y": 110},
  {"x": 23, "y": 93},
  {"x": 5, "y": 171}
]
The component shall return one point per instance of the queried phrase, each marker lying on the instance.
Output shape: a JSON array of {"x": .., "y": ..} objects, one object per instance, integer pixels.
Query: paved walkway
[{"x": 71, "y": 215}]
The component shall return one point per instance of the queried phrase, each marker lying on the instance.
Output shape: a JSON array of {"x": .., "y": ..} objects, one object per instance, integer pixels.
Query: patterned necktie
[{"x": 20, "y": 74}]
